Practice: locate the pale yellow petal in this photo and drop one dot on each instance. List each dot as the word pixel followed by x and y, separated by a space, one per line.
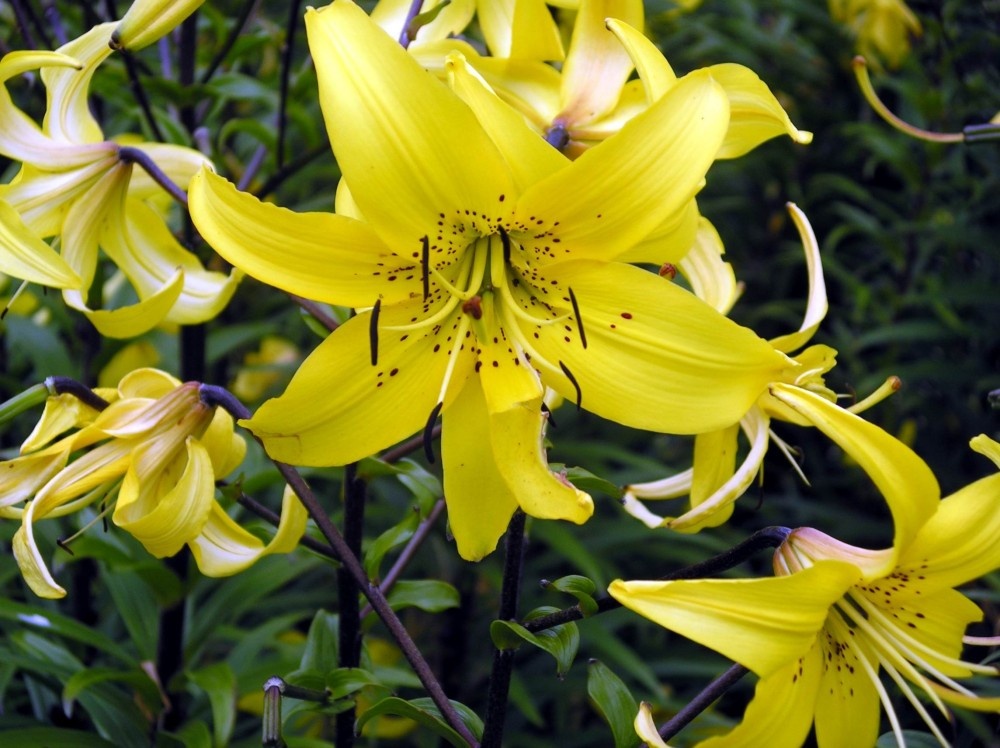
pixel 23 255
pixel 654 71
pixel 816 306
pixel 68 118
pixel 223 548
pixel 148 20
pixel 711 278
pixel 519 29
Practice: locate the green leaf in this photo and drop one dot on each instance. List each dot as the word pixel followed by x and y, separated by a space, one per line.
pixel 431 595
pixel 346 680
pixel 581 588
pixel 88 677
pixel 614 701
pixel 562 642
pixel 394 536
pixel 52 737
pixel 424 486
pixel 321 648
pixel 587 481
pixel 219 683
pixel 44 620
pixel 423 712
pixel 913 739
pixel 136 603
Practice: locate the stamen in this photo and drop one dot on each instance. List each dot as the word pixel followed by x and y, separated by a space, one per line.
pixel 788 452
pixel 429 433
pixel 505 241
pixel 13 298
pixel 889 386
pixel 425 265
pixel 548 413
pixel 373 331
pixel 576 314
pixel 576 385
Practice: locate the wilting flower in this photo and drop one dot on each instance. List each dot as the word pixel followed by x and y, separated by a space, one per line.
pixel 80 188
pixel 882 27
pixel 483 265
pixel 819 633
pixel 155 452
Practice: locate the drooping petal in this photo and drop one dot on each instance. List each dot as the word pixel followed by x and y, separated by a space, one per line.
pixel 712 510
pixel 958 543
pixel 33 568
pixel 712 279
pixel 755 114
pixel 908 485
pixel 781 711
pixel 657 358
pixel 764 624
pixel 339 408
pixel 517 438
pixel 529 158
pixel 225 448
pixel 320 256
pixel 597 65
pixel 21 477
pixel 223 548
pixel 163 523
pixel 135 319
pixel 480 502
pixel 23 255
pixel 148 20
pixel 20 138
pixel 816 306
pixel 519 29
pixel 645 727
pixel 654 71
pixel 68 117
pixel 61 413
pixel 616 193
pixel 408 146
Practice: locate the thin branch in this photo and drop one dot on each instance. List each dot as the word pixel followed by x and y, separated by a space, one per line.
pixel 214 395
pixel 419 535
pixel 249 7
pixel 255 507
pixel 316 311
pixel 290 169
pixel 294 11
pixel 769 537
pixel 349 634
pixel 503 659
pixel 702 701
pixel 409 447
pixel 131 155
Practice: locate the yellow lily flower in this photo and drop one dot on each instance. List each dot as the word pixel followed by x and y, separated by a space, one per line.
pixel 882 27
pixel 77 186
pixel 819 633
pixel 263 369
pixel 483 270
pixel 160 449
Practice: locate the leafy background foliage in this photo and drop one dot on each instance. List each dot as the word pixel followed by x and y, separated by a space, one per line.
pixel 908 234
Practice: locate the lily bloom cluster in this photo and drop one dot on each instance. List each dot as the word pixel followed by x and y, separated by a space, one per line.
pixel 490 269
pixel 835 615
pixel 151 458
pixel 77 193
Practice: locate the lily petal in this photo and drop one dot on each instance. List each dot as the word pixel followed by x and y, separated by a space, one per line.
pixel 409 148
pixel 764 624
pixel 68 118
pixel 817 306
pixel 320 256
pixel 135 319
pixel 339 408
pixel 597 65
pixel 519 29
pixel 908 485
pixel 847 702
pixel 654 71
pixel 164 523
pixel 657 358
pixel 480 502
pixel 529 158
pixel 712 279
pixel 223 548
pixel 755 114
pixel 25 256
pixel 451 20
pixel 616 193
pixel 781 711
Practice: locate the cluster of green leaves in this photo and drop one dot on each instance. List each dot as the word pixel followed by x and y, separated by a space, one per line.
pixel 905 230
